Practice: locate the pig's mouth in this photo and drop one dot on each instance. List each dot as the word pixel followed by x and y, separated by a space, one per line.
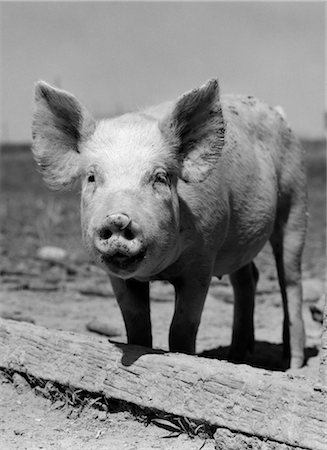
pixel 120 261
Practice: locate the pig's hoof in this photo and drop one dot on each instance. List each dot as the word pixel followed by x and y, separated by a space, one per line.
pixel 237 355
pixel 297 362
pixel 293 363
pixel 238 351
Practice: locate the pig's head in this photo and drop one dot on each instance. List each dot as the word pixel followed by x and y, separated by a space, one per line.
pixel 129 168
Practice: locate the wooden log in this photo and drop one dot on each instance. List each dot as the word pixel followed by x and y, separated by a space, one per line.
pixel 226 439
pixel 278 408
pixel 323 351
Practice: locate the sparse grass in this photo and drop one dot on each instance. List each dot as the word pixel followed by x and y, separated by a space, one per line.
pixel 49 220
pixel 31 215
pixel 70 399
pixel 315 247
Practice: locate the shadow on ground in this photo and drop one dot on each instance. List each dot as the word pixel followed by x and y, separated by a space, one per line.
pixel 132 353
pixel 265 356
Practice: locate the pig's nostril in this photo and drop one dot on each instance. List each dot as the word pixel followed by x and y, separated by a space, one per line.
pixel 105 233
pixel 120 226
pixel 128 234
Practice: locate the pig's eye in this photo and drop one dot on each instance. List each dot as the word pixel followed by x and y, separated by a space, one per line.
pixel 91 178
pixel 161 177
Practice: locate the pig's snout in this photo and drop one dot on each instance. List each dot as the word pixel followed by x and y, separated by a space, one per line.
pixel 117 225
pixel 120 241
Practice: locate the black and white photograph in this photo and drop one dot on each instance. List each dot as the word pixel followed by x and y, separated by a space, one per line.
pixel 163 225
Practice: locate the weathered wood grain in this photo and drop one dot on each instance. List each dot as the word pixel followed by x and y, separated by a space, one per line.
pixel 276 407
pixel 229 440
pixel 323 352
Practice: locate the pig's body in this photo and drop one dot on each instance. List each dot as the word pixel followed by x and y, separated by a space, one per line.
pixel 237 181
pixel 230 215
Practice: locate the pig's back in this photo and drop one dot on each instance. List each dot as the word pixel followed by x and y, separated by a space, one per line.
pixel 258 139
pixel 257 127
pixel 236 205
pixel 261 165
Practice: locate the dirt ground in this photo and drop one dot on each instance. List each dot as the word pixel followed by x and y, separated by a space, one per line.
pixel 73 294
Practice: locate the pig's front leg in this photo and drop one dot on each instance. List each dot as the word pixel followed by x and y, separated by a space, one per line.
pixel 134 302
pixel 244 282
pixel 190 296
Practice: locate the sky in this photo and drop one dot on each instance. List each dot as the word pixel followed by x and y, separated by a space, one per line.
pixel 118 56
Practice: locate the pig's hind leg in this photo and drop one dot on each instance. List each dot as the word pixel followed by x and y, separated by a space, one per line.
pixel 244 282
pixel 287 243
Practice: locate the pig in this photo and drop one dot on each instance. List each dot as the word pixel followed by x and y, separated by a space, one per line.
pixel 184 191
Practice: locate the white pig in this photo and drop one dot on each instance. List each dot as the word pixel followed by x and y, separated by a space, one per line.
pixel 190 189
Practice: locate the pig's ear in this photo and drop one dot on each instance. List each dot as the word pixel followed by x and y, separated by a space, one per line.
pixel 60 125
pixel 195 128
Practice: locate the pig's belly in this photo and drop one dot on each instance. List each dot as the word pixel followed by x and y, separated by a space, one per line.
pixel 237 252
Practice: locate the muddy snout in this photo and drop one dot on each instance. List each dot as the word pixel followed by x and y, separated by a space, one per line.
pixel 120 241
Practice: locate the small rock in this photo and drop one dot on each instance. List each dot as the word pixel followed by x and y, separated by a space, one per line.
pixel 227 298
pixel 277 300
pixel 102 415
pixel 54 275
pixel 313 288
pixel 317 315
pixel 93 289
pixel 58 404
pixel 51 254
pixel 39 391
pixel 222 293
pixel 75 413
pixel 20 383
pixel 317 310
pixel 101 327
pixel 19 316
pixel 3 378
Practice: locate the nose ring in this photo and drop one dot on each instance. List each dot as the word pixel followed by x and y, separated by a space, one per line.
pixel 126 224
